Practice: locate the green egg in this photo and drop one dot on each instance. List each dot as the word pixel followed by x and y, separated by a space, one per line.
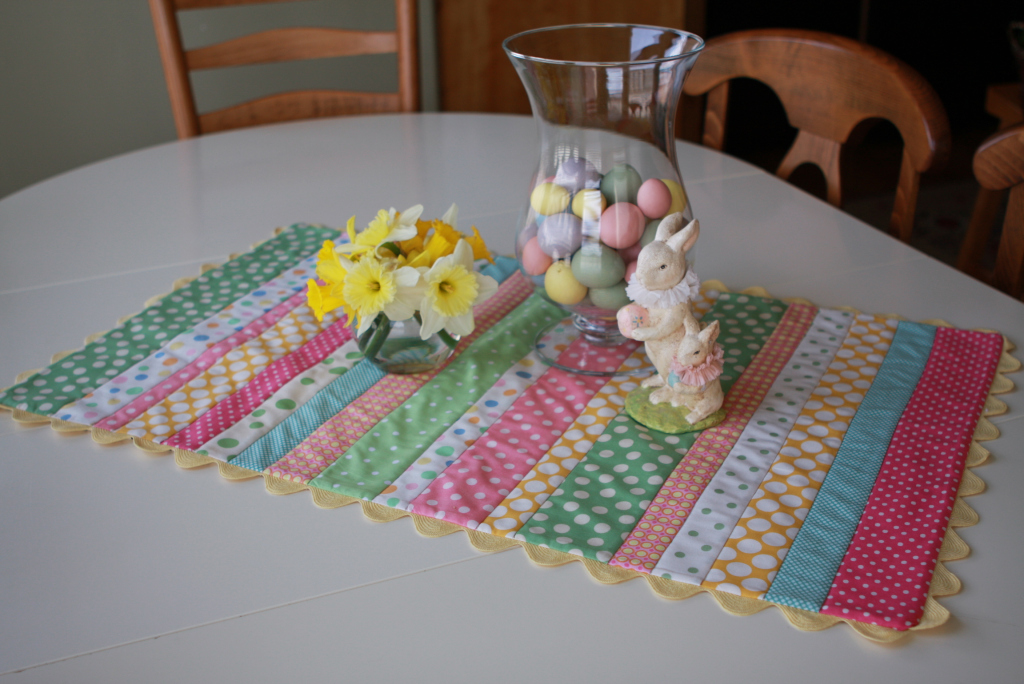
pixel 613 297
pixel 621 184
pixel 596 265
pixel 650 232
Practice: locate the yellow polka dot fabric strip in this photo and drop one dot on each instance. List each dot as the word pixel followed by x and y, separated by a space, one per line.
pixel 785 496
pixel 232 372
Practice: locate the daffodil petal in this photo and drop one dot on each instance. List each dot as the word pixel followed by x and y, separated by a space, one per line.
pixel 460 325
pixel 432 322
pixel 486 287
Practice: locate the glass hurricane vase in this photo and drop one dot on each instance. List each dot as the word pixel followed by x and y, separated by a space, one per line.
pixel 605 98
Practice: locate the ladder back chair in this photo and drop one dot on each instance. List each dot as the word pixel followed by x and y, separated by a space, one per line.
pixel 998 165
pixel 828 85
pixel 282 45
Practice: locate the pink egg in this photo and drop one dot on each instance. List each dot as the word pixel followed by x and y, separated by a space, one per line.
pixel 654 198
pixel 631 253
pixel 631 317
pixel 630 270
pixel 622 224
pixel 535 261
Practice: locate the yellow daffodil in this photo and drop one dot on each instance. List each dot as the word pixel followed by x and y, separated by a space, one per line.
pixel 371 287
pixel 321 299
pixel 451 289
pixel 387 226
pixel 330 266
pixel 480 250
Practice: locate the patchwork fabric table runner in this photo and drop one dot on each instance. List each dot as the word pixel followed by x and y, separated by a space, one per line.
pixel 830 491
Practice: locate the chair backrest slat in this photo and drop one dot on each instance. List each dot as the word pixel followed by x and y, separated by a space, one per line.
pixel 289 44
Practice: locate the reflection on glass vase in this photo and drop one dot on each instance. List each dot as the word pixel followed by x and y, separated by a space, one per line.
pixel 396 346
pixel 604 97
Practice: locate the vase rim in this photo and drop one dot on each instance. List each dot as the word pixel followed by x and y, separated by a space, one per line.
pixel 602 63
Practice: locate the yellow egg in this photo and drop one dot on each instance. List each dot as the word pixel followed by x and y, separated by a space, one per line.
pixel 590 201
pixel 679 200
pixel 562 286
pixel 548 199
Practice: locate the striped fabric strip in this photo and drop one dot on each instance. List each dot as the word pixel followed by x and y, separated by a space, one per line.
pixel 713 445
pixel 886 572
pixel 229 374
pixel 359 470
pixel 228 412
pixel 603 497
pixel 807 572
pixel 228 444
pixel 185 348
pixel 471 425
pixel 204 361
pixel 468 490
pixel 292 431
pixel 761 538
pixel 706 531
pixel 76 375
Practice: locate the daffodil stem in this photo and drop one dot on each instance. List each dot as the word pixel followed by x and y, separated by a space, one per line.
pixel 381 328
pixel 442 333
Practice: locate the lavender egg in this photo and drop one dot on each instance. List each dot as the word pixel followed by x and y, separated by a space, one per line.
pixel 576 174
pixel 560 235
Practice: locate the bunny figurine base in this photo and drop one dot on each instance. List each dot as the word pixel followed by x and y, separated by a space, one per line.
pixel 665 417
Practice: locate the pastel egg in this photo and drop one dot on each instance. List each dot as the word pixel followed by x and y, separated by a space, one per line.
pixel 549 198
pixel 621 184
pixel 535 261
pixel 562 286
pixel 612 297
pixel 630 270
pixel 622 224
pixel 631 317
pixel 597 266
pixel 654 198
pixel 526 234
pixel 650 232
pixel 679 200
pixel 560 235
pixel 589 204
pixel 631 253
pixel 574 174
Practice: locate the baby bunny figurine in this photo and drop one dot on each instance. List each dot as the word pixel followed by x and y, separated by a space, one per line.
pixel 662 319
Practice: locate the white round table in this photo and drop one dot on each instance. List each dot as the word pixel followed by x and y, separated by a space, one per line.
pixel 119 566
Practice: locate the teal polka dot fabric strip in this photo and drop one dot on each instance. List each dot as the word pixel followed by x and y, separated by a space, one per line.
pixel 311 415
pixel 808 569
pixel 377 459
pixel 77 375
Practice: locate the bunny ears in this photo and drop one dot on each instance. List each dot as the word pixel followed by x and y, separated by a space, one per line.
pixel 679 240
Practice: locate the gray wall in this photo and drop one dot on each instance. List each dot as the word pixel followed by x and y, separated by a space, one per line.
pixel 80 80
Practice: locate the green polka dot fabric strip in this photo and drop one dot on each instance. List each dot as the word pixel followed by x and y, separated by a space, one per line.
pixel 377 459
pixel 707 529
pixel 73 377
pixel 605 495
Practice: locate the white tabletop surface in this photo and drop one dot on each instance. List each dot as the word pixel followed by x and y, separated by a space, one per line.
pixel 117 566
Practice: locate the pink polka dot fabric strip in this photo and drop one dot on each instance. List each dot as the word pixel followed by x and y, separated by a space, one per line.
pixel 469 489
pixel 714 444
pixel 205 360
pixel 275 376
pixel 886 572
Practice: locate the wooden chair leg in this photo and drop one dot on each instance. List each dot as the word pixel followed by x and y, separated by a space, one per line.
pixel 983 217
pixel 1009 273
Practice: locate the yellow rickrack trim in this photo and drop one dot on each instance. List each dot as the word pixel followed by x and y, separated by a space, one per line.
pixel 944 582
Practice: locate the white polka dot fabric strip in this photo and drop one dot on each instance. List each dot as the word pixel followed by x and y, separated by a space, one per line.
pixel 708 528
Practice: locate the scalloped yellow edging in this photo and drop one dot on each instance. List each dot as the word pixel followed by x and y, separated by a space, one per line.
pixel 944 582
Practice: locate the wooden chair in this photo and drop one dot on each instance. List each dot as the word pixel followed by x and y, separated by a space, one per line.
pixel 282 45
pixel 828 85
pixel 998 165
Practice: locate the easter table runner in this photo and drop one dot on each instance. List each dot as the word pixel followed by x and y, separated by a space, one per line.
pixel 830 491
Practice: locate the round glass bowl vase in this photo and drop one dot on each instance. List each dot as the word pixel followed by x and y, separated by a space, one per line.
pixel 605 98
pixel 396 347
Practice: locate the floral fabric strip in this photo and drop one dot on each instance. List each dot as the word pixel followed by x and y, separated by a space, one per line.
pixel 470 426
pixel 467 491
pixel 231 373
pixel 297 427
pixel 359 469
pixel 674 503
pixel 707 529
pixel 228 412
pixel 760 540
pixel 601 500
pixel 885 574
pixel 809 567
pixel 208 358
pixel 185 348
pixel 227 445
pixel 76 375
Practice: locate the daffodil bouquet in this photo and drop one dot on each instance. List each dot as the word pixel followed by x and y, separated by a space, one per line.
pixel 401 267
